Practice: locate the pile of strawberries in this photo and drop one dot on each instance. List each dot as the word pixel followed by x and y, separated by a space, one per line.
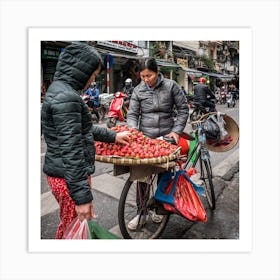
pixel 140 146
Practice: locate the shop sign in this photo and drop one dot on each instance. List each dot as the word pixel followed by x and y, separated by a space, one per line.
pixel 50 53
pixel 119 45
pixel 182 62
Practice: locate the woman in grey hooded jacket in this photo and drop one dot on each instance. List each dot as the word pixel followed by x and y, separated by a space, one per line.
pixel 69 134
pixel 152 104
pixel 151 110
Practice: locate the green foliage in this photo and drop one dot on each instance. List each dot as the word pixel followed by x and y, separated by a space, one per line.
pixel 208 62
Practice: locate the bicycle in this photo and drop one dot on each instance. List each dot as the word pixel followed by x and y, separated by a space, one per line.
pixel 136 199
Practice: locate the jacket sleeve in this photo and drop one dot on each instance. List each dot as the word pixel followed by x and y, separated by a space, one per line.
pixel 103 134
pixel 133 113
pixel 67 121
pixel 182 109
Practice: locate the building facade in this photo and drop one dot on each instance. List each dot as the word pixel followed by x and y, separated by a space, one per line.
pixel 182 61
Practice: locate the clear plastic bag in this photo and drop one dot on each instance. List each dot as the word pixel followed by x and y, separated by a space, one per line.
pixel 77 230
pixel 221 124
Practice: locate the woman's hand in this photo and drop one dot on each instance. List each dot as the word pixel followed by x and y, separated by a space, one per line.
pixel 123 137
pixel 173 135
pixel 85 211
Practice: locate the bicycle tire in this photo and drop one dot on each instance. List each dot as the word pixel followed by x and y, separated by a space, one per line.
pixel 127 210
pixel 102 113
pixel 206 177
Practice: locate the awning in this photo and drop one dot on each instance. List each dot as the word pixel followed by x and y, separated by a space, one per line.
pixel 121 55
pixel 167 64
pixel 193 72
pixel 219 76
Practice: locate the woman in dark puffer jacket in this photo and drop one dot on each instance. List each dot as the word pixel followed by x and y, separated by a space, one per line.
pixel 69 134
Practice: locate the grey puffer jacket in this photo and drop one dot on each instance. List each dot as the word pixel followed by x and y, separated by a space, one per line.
pixel 67 125
pixel 151 111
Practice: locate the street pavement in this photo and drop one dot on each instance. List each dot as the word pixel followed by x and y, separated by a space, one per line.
pixel 222 223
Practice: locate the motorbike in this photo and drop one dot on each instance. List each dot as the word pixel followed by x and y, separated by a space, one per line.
pixel 222 97
pixel 230 100
pixel 102 109
pixel 117 110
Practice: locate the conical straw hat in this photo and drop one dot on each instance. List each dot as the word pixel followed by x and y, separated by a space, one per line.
pixel 233 135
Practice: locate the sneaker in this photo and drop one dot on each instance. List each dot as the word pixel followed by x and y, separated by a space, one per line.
pixel 132 225
pixel 196 179
pixel 155 217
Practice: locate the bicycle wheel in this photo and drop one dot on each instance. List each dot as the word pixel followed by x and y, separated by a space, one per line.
pixel 206 177
pixel 102 112
pixel 135 200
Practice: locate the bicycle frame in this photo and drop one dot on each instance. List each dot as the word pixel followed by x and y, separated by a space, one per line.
pixel 143 198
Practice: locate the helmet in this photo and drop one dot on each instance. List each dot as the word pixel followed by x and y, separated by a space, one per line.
pixel 128 82
pixel 202 80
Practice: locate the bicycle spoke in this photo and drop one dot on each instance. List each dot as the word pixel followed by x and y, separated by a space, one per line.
pixel 134 200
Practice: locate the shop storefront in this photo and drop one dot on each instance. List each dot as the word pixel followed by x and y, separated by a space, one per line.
pixel 50 51
pixel 124 61
pixel 124 64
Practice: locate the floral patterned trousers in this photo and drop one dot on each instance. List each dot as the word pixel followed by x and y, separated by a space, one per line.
pixel 66 204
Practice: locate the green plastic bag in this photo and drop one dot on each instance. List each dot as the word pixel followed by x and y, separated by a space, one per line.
pixel 98 232
pixel 192 146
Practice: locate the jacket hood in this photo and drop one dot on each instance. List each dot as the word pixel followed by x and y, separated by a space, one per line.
pixel 76 64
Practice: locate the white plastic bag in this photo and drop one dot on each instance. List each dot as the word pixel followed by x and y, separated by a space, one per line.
pixel 221 124
pixel 77 230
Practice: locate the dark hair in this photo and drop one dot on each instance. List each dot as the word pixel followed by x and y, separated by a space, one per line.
pixel 148 63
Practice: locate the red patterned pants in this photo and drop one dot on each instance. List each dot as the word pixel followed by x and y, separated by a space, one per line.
pixel 66 204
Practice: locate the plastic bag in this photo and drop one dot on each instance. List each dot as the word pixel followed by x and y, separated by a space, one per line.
pixel 221 123
pixel 187 202
pixel 211 128
pixel 98 232
pixel 179 195
pixel 192 147
pixel 77 230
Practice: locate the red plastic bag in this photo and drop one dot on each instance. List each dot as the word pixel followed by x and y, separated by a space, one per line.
pixel 186 201
pixel 77 230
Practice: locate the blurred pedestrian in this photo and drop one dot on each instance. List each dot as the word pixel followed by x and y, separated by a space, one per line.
pixel 203 95
pixel 94 102
pixel 128 89
pixel 183 90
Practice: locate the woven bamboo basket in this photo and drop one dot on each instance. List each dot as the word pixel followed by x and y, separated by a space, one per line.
pixel 133 161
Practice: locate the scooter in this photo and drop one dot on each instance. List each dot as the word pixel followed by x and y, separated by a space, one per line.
pixel 223 97
pixel 117 110
pixel 230 100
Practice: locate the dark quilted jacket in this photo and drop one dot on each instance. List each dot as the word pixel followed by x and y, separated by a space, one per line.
pixel 151 111
pixel 201 93
pixel 66 123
